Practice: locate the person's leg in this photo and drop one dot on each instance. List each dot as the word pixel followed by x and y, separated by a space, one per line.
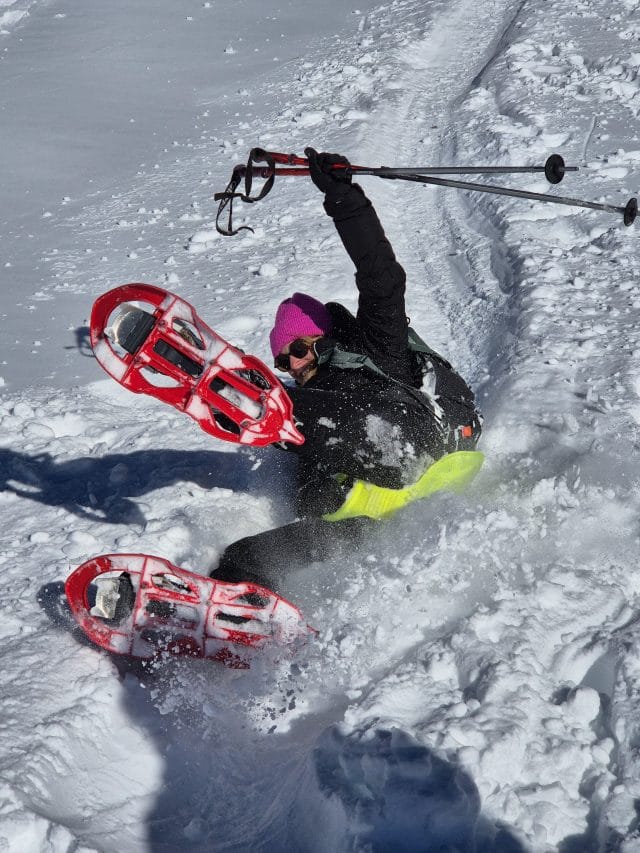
pixel 268 557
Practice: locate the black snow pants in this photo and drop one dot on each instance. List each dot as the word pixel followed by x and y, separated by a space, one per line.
pixel 267 558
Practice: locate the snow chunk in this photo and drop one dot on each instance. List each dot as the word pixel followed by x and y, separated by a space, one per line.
pixel 37 430
pixel 312 118
pixel 201 241
pixel 268 271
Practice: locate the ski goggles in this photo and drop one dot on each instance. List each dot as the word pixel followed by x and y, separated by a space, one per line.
pixel 298 349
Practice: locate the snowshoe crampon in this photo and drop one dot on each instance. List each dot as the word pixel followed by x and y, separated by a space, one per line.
pixel 143 606
pixel 153 342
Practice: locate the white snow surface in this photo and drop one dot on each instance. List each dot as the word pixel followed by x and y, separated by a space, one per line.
pixel 475 682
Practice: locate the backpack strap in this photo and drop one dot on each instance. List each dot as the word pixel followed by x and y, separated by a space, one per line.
pixel 417 345
pixel 334 355
pixel 345 360
pixel 454 406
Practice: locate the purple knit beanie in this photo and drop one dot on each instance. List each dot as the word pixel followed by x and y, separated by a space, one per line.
pixel 297 317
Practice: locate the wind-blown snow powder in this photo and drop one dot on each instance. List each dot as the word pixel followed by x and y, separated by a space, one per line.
pixel 476 679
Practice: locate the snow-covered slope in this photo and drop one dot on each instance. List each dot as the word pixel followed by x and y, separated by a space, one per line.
pixel 475 682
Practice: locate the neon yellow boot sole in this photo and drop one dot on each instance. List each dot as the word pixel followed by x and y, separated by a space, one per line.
pixel 450 473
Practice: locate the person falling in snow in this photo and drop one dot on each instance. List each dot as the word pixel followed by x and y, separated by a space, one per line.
pixel 358 398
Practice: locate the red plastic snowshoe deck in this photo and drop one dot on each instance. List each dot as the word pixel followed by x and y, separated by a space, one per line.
pixel 183 362
pixel 181 613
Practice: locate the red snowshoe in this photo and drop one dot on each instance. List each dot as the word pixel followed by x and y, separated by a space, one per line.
pixel 153 342
pixel 142 606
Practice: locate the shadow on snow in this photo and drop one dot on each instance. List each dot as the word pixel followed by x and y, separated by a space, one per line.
pixel 101 488
pixel 315 790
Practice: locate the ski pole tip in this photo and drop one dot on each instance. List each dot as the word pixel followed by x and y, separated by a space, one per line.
pixel 630 211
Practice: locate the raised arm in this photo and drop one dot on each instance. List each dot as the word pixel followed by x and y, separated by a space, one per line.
pixel 379 277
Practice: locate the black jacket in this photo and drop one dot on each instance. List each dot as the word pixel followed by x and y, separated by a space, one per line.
pixel 357 423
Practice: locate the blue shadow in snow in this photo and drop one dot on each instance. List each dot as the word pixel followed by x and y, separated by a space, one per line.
pixel 384 792
pixel 101 488
pixel 82 335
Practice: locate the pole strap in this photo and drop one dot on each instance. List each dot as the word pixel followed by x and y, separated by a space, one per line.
pixel 226 198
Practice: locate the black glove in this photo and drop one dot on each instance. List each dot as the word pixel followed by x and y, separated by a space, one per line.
pixel 322 173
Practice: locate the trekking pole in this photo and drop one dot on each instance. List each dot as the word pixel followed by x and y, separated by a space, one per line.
pixel 554 170
pixel 629 211
pixel 292 165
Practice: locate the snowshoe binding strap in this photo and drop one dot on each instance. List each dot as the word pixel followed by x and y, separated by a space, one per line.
pixel 114 598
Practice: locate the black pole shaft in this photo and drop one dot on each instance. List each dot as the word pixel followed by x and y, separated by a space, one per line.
pixel 488 188
pixel 390 172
